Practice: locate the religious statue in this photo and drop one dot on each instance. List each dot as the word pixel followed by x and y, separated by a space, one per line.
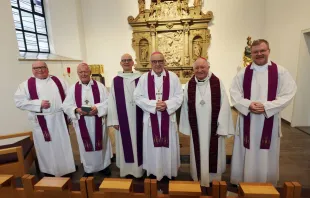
pixel 196 50
pixel 141 6
pixel 144 53
pixel 247 53
pixel 155 9
pixel 197 3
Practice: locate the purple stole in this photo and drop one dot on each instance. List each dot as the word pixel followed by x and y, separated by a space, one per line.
pixel 32 88
pixel 82 124
pixel 124 124
pixel 216 106
pixel 163 139
pixel 272 92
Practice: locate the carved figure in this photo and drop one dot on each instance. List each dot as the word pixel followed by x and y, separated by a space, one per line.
pixel 141 6
pixel 197 50
pixel 144 53
pixel 247 53
pixel 197 3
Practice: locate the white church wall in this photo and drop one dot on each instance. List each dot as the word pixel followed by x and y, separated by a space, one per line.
pixel 108 34
pixel 63 16
pixel 97 32
pixel 284 22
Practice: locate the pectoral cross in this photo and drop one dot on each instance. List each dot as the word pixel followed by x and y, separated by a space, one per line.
pixel 158 94
pixel 86 102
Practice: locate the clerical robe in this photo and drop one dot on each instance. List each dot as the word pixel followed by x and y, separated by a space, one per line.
pixel 93 160
pixel 127 145
pixel 55 157
pixel 160 160
pixel 223 128
pixel 257 163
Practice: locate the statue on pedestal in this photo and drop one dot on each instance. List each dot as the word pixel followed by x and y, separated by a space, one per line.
pixel 247 53
pixel 141 6
pixel 197 3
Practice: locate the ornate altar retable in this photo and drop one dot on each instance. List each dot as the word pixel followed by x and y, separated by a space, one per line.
pixel 172 27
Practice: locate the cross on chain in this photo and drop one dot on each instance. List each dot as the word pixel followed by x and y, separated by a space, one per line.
pixel 158 94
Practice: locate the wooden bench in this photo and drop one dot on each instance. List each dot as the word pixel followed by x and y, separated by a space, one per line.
pixel 8 188
pixel 17 153
pixel 53 187
pixel 114 187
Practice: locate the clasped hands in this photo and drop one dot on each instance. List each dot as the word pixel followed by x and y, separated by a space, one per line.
pixel 161 105
pixel 93 112
pixel 257 108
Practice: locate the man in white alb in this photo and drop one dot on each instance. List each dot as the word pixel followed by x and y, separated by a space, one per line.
pixel 159 94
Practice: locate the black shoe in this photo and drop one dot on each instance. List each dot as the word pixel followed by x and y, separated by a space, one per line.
pixel 68 175
pixel 88 174
pixel 152 176
pixel 129 177
pixel 48 175
pixel 106 171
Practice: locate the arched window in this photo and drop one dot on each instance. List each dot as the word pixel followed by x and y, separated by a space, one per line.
pixel 30 26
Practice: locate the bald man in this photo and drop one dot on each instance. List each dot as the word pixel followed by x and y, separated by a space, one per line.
pixel 42 96
pixel 126 118
pixel 206 117
pixel 87 105
pixel 159 94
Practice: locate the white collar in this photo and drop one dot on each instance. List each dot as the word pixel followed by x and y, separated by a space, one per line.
pixel 204 80
pixel 260 67
pixel 131 76
pixel 91 82
pixel 47 78
pixel 163 73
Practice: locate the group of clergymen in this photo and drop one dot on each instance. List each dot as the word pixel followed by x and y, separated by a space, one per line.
pixel 142 110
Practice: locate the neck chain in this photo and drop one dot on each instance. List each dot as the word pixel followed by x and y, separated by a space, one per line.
pixel 158 93
pixel 202 102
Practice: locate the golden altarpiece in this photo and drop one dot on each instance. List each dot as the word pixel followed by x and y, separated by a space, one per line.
pixel 172 27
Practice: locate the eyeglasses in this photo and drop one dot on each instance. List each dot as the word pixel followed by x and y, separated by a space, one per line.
pixel 39 68
pixel 126 60
pixel 157 61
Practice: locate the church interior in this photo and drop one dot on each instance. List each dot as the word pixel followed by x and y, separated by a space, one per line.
pixel 100 32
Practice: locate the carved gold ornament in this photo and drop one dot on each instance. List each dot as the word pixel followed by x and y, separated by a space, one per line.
pixel 174 28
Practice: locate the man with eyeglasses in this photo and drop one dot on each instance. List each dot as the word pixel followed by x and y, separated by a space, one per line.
pixel 126 118
pixel 42 95
pixel 259 92
pixel 206 117
pixel 159 94
pixel 87 105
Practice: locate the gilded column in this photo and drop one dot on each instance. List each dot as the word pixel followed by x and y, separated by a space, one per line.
pixel 186 44
pixel 153 36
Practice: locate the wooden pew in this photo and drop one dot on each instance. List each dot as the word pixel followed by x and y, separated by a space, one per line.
pixel 23 163
pixel 267 190
pixel 55 187
pixel 291 190
pixel 116 188
pixel 8 188
pixel 60 187
pixel 189 189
